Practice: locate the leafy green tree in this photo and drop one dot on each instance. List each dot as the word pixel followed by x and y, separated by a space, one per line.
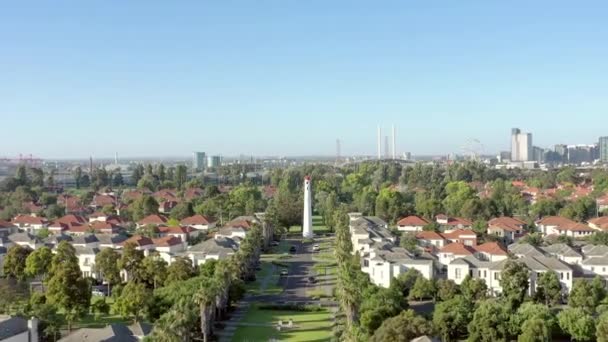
pixel 179 270
pixel 78 176
pixel 182 210
pixel 106 263
pixel 134 301
pixel 533 239
pixel 391 205
pixel 514 283
pixel 100 308
pixel 131 262
pixel 405 281
pixel 38 262
pixel 458 193
pixel 601 329
pixel 176 324
pixel 577 323
pixel 535 330
pixel 423 288
pixel 530 311
pixel 451 318
pixel 403 328
pixel 548 289
pixel 379 306
pixel 447 289
pixel 431 227
pixel 598 289
pixel 490 322
pixel 181 176
pixel 155 270
pixel 473 289
pixel 15 262
pixel 582 296
pixel 409 242
pixel 66 288
pixel 580 210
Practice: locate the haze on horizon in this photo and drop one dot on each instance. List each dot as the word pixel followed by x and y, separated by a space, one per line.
pixel 291 77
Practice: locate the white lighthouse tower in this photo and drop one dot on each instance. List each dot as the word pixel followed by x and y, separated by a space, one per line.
pixel 307 224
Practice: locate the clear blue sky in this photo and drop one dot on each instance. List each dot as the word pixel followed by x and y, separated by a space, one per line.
pixel 288 77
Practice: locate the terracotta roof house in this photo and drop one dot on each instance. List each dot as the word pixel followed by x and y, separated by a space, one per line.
pixel 411 224
pixel 193 193
pixel 509 229
pixel 599 223
pixel 166 195
pixel 100 201
pixel 557 225
pixel 29 221
pixel 153 219
pixel 199 222
pixel 184 233
pixel 141 242
pixel 453 222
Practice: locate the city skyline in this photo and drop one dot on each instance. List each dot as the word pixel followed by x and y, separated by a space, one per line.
pixel 242 78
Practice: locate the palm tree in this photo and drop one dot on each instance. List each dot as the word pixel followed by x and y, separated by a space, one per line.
pixel 223 279
pixel 176 324
pixel 205 298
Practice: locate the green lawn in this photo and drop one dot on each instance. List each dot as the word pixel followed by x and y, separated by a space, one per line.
pixel 308 326
pixel 268 276
pixel 317 226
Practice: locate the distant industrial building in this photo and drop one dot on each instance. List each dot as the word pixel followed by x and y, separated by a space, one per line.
pixel 603 147
pixel 538 154
pixel 199 161
pixel 214 161
pixel 521 146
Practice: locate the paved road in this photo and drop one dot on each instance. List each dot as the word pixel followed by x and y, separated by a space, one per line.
pixel 295 284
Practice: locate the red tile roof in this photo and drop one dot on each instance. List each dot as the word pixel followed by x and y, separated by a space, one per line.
pixel 175 230
pixel 413 221
pixel 429 235
pixel 167 241
pixel 507 223
pixel 457 249
pixel 492 248
pixel 6 224
pixel 71 219
pixel 197 220
pixel 153 219
pixel 557 221
pixel 103 200
pixel 28 219
pixel 138 240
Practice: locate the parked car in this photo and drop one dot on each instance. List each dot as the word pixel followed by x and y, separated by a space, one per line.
pixel 274 243
pixel 284 272
pixel 98 293
pixel 311 280
pixel 293 249
pixel 316 248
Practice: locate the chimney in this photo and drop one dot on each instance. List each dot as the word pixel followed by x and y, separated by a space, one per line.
pixel 32 326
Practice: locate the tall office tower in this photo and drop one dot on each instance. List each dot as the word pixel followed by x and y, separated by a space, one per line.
pixel 379 142
pixel 198 161
pixel 603 149
pixel 521 145
pixel 307 224
pixel 214 161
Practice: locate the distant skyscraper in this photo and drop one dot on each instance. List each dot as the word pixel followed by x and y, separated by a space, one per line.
pixel 604 149
pixel 198 161
pixel 214 161
pixel 307 223
pixel 521 145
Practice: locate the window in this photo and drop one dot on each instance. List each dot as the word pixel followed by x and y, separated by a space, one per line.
pixel 484 274
pixel 561 275
pixel 567 276
pixel 592 269
pixel 496 276
pixel 479 273
pixel 603 269
pixel 457 273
